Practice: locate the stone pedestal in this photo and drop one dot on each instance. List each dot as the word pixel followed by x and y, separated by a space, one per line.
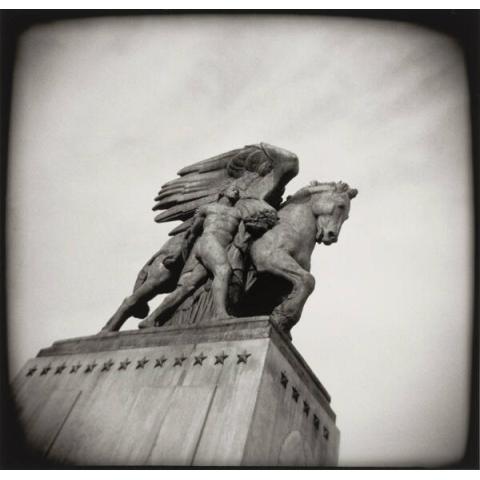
pixel 234 393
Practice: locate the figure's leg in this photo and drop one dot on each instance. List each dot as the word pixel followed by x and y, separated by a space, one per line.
pixel 214 257
pixel 280 263
pixel 188 284
pixel 130 305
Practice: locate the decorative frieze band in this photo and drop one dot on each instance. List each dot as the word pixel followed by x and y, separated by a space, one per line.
pixel 220 359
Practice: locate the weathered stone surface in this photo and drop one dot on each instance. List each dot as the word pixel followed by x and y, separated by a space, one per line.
pixel 224 203
pixel 227 393
pixel 236 234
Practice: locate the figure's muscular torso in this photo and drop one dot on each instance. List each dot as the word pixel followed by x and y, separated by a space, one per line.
pixel 221 222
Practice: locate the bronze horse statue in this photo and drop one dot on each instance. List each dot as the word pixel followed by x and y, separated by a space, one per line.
pixel 314 214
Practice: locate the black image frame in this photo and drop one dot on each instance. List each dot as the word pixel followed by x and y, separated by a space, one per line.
pixel 462 25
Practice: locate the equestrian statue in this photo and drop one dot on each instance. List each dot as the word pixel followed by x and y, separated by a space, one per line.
pixel 240 250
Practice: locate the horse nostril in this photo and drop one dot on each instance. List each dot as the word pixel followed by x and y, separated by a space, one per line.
pixel 331 235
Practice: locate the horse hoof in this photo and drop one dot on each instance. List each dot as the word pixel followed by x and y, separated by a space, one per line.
pixel 282 325
pixel 146 323
pixel 109 327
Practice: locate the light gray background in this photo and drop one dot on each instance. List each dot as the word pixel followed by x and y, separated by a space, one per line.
pixel 105 111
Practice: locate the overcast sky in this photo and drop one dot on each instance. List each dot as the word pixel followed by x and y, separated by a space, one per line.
pixel 105 111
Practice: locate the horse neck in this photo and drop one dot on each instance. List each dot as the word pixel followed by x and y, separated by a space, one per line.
pixel 299 216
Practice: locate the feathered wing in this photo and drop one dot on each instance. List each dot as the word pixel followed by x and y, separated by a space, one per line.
pixel 197 185
pixel 259 171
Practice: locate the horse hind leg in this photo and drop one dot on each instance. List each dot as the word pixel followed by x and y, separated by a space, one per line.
pixel 136 304
pixel 131 306
pixel 118 318
pixel 156 279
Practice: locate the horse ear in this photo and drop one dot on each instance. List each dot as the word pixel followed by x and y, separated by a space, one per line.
pixel 352 193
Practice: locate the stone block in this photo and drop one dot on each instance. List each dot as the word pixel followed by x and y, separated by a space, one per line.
pixel 231 393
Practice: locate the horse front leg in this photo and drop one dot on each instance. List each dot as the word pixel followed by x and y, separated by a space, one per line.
pixel 288 312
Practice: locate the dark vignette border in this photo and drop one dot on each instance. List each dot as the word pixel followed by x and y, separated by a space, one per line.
pixel 462 25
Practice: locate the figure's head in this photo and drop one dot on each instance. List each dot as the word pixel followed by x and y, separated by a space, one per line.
pixel 330 206
pixel 232 193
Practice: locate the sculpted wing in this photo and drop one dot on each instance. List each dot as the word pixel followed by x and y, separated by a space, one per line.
pixel 258 171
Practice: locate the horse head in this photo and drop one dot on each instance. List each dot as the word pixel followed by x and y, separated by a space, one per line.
pixel 330 204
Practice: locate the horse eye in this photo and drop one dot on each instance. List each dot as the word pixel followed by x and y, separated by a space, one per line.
pixel 341 207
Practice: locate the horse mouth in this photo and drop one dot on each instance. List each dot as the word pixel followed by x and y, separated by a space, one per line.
pixel 326 239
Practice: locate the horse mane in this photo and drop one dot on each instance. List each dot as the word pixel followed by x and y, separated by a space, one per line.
pixel 316 187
